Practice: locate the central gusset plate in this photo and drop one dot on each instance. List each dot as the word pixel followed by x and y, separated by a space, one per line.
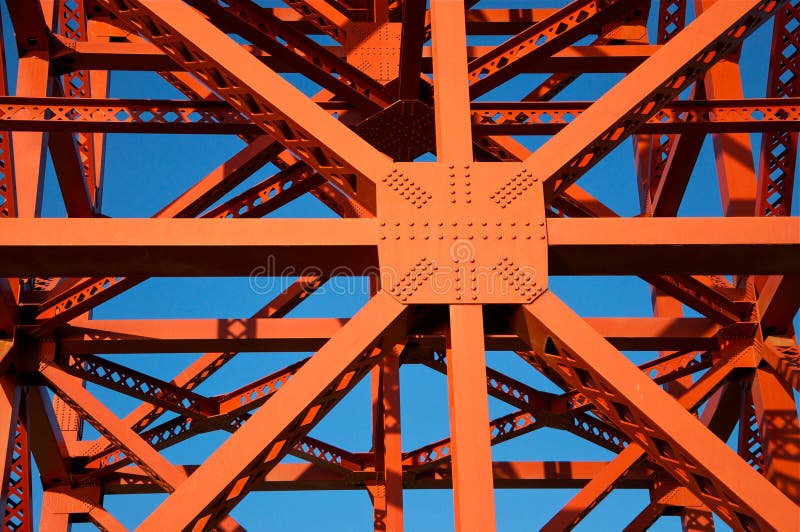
pixel 462 233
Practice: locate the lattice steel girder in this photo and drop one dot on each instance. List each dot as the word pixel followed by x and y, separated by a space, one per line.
pixel 673 437
pixel 207 364
pixel 275 105
pixel 710 116
pixel 608 246
pixel 562 28
pixel 308 334
pixel 621 110
pixel 102 419
pixel 230 472
pixel 290 477
pixel 141 55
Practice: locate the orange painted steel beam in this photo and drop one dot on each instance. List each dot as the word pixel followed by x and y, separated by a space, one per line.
pixel 260 443
pixel 473 490
pixel 706 465
pixel 698 116
pixel 665 240
pixel 612 246
pixel 292 477
pixel 277 106
pixel 738 363
pixel 137 247
pixel 620 111
pixel 308 334
pixel 132 336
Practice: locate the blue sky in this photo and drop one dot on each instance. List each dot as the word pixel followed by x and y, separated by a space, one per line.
pixel 144 172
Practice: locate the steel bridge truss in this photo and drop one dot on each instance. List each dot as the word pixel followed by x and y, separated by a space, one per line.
pixel 460 250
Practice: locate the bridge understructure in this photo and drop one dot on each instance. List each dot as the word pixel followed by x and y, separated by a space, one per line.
pixel 457 218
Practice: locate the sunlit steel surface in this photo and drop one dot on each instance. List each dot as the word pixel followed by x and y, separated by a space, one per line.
pixel 458 246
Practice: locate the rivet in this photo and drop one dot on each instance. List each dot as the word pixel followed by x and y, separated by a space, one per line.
pixel 484 224
pixel 541 224
pixel 451 166
pixel 474 297
pixel 543 237
pixel 383 224
pixel 466 166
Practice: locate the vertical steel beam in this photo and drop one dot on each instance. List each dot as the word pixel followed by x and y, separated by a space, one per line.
pixel 412 37
pixel 451 92
pixel 18 489
pixel 473 490
pixel 734 153
pixel 9 414
pixel 778 156
pixel 29 147
pixel 388 512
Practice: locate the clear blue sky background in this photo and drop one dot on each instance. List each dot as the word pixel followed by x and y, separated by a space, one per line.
pixel 144 172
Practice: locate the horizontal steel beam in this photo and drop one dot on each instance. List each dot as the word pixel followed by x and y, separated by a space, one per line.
pixel 143 56
pixel 185 247
pixel 309 334
pixel 294 477
pixel 624 246
pixel 709 116
pixel 287 247
pixel 21 113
